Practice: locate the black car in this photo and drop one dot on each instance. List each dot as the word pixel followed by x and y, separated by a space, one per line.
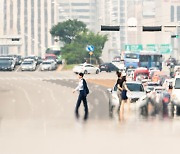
pixel 108 67
pixel 6 65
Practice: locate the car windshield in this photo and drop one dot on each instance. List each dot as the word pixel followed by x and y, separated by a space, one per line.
pixel 132 56
pixel 27 63
pixel 153 84
pixel 177 83
pixel 50 57
pixel 5 61
pixel 135 87
pixel 45 63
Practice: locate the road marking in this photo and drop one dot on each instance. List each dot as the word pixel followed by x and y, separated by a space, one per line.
pixel 17 70
pixel 38 68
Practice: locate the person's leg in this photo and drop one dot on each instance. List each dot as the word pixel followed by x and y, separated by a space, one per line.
pixel 78 105
pixel 120 99
pixel 121 113
pixel 85 108
pixel 128 103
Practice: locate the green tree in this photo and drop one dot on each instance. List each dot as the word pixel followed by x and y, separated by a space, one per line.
pixel 68 31
pixel 76 51
pixel 90 38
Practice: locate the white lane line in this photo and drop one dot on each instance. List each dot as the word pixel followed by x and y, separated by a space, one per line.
pixel 18 69
pixel 38 69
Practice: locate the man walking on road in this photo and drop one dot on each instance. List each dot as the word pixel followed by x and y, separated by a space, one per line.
pixel 83 91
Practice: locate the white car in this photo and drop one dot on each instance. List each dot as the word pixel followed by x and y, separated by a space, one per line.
pixel 86 69
pixel 176 94
pixel 48 65
pixel 176 90
pixel 28 65
pixel 137 91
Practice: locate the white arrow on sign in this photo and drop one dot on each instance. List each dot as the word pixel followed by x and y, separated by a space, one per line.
pixel 90 48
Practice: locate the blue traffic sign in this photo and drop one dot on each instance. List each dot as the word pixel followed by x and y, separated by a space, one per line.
pixel 90 48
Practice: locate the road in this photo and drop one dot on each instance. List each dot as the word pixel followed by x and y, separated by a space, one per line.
pixel 37 116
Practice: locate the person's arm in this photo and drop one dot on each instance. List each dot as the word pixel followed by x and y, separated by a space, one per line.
pixel 79 87
pixel 125 86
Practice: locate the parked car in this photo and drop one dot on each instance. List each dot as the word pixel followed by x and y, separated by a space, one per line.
pixel 28 65
pixel 19 59
pixel 86 69
pixel 137 91
pixel 176 94
pixel 48 65
pixel 6 64
pixel 32 57
pixel 108 67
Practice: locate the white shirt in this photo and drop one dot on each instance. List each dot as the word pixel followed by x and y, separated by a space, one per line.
pixel 80 85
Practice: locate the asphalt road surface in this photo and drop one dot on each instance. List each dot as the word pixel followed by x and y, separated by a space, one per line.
pixel 37 117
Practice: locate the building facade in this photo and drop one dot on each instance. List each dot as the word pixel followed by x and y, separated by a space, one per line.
pixel 82 10
pixel 156 13
pixel 31 21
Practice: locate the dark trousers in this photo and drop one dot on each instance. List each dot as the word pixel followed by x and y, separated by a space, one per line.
pixel 82 97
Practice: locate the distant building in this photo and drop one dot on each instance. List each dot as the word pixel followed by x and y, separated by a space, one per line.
pixel 31 20
pixel 82 10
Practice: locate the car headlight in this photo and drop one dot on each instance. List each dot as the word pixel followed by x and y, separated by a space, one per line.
pixel 114 97
pixel 175 98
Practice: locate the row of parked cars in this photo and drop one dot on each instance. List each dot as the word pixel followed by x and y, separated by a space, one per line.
pixel 29 63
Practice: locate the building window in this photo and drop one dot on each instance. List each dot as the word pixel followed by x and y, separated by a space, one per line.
pixel 11 15
pixel 46 22
pixel 63 4
pixel 39 26
pixel 80 4
pixel 18 16
pixel 5 17
pixel 80 10
pixel 52 13
pixel 26 26
pixel 172 13
pixel 32 26
pixel 84 17
pixel 178 13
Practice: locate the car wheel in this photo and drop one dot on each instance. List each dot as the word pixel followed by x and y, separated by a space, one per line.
pixel 85 72
pixel 97 71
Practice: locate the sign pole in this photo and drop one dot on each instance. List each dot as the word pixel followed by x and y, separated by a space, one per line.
pixel 90 49
pixel 90 58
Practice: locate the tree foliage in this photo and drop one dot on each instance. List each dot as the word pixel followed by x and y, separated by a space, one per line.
pixel 76 37
pixel 97 40
pixel 68 31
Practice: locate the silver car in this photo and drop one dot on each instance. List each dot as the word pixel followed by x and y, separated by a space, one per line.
pixel 28 65
pixel 137 91
pixel 48 65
